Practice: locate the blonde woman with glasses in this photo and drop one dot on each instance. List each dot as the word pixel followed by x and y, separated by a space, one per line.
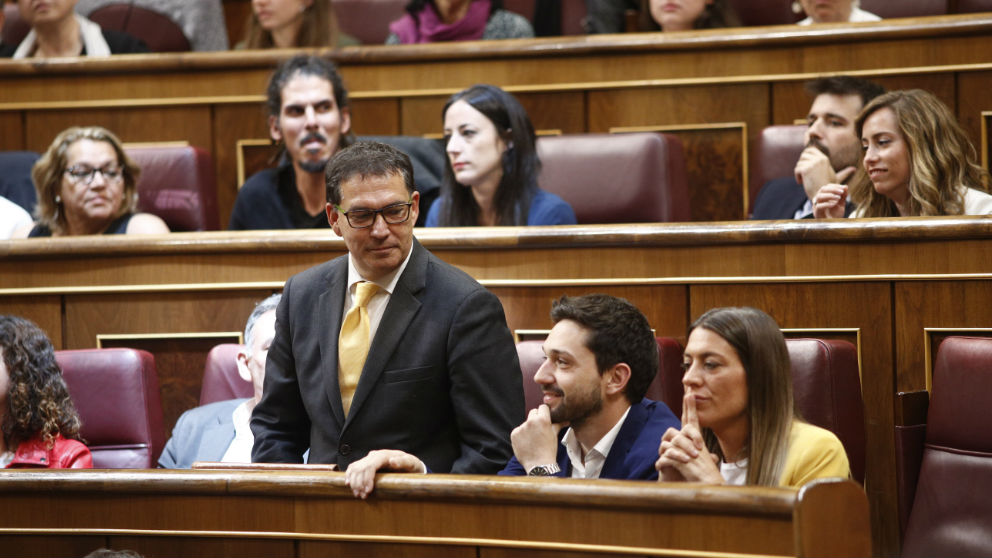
pixel 86 184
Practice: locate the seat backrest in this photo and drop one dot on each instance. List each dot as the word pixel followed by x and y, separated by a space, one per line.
pixel 15 178
pixel 157 30
pixel 886 9
pixel 826 385
pixel 368 20
pixel 221 380
pixel 14 28
pixel 117 396
pixel 177 183
pixel 973 6
pixel 951 513
pixel 617 178
pixel 775 155
pixel 765 12
pixel 531 355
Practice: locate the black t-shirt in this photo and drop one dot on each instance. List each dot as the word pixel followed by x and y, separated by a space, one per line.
pixel 269 200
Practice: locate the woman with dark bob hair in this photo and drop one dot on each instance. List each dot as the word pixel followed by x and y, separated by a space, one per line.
pixel 739 425
pixel 917 159
pixel 39 422
pixel 491 175
pixel 86 184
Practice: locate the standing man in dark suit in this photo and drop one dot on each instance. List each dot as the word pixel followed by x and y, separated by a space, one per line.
pixel 441 384
pixel 832 148
pixel 595 421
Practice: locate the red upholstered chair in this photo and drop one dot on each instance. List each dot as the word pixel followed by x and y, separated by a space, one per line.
pixel 973 6
pixel 14 28
pixel 775 155
pixel 116 393
pixel 221 380
pixel 617 178
pixel 946 475
pixel 368 20
pixel 157 30
pixel 826 386
pixel 887 9
pixel 670 359
pixel 177 183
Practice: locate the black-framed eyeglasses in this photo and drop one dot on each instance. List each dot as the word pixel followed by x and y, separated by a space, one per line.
pixel 392 214
pixel 85 174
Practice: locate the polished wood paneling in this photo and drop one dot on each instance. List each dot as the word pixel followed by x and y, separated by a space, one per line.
pixel 45 311
pixel 12 131
pixel 375 117
pixel 935 305
pixel 422 115
pixel 233 122
pixel 154 511
pixel 46 546
pixel 715 171
pixel 206 547
pixel 320 549
pixel 972 100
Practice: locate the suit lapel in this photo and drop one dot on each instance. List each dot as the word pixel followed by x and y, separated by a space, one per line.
pixel 217 436
pixel 330 307
pixel 403 305
pixel 615 466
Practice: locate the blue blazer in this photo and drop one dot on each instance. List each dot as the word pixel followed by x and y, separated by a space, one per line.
pixel 201 434
pixel 634 451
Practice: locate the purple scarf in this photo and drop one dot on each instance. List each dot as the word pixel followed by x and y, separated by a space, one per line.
pixel 428 27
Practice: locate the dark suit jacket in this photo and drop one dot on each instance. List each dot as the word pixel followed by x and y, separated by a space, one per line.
pixel 442 380
pixel 634 450
pixel 781 198
pixel 201 434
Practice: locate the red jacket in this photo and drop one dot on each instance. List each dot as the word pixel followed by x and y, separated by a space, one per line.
pixel 64 454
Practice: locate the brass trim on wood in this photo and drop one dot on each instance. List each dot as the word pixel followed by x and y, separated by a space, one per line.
pixel 101 337
pixel 240 155
pixel 984 119
pixel 928 355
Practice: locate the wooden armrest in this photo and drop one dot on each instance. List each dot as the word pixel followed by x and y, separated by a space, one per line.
pixel 264 466
pixel 911 407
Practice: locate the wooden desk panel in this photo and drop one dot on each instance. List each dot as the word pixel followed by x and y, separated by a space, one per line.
pixel 156 513
pixel 884 280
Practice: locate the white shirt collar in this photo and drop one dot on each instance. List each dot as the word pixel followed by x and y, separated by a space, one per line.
pixel 595 458
pixel 386 283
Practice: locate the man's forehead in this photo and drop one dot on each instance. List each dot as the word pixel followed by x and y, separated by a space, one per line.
pixel 567 336
pixel 306 87
pixel 373 188
pixel 847 106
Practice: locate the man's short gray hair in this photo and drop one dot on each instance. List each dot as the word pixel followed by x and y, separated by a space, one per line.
pixel 266 305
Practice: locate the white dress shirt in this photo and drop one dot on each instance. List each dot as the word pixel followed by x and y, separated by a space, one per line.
pixel 595 458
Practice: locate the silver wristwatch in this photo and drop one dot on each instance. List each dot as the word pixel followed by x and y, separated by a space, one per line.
pixel 544 470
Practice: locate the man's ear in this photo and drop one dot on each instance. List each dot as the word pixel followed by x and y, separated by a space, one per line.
pixel 333 218
pixel 243 371
pixel 274 132
pixel 616 378
pixel 345 120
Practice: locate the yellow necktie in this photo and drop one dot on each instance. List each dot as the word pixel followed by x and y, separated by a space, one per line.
pixel 353 342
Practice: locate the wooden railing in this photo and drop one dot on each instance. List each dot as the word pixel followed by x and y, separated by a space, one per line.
pixel 306 513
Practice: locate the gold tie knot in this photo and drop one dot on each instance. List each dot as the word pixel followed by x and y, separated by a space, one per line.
pixel 364 291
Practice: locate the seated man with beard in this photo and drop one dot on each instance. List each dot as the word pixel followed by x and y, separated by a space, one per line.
pixel 832 148
pixel 595 421
pixel 310 117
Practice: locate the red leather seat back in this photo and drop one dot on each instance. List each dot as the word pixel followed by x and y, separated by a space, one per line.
pixel 617 178
pixel 775 155
pixel 117 395
pixel 886 9
pixel 765 12
pixel 531 356
pixel 368 20
pixel 177 183
pixel 951 513
pixel 826 386
pixel 221 380
pixel 974 6
pixel 14 28
pixel 157 30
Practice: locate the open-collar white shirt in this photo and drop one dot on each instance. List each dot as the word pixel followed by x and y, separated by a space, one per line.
pixel 595 458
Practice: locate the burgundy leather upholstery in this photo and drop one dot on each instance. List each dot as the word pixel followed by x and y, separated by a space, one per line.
pixel 765 12
pixel 368 20
pixel 157 30
pixel 177 183
pixel 951 513
pixel 14 28
pixel 973 6
pixel 116 393
pixel 887 9
pixel 221 380
pixel 669 356
pixel 617 178
pixel 775 155
pixel 827 390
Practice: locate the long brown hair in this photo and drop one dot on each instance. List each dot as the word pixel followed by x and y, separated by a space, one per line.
pixel 941 158
pixel 38 402
pixel 770 409
pixel 319 28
